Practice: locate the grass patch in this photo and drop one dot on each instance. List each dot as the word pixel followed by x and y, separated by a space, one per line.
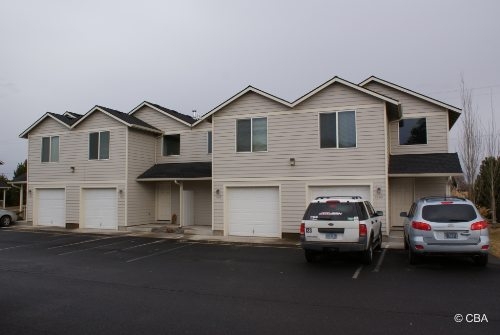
pixel 495 240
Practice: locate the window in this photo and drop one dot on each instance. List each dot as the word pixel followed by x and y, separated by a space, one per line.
pixel 172 145
pixel 251 135
pixel 99 145
pixel 412 131
pixel 209 142
pixel 50 149
pixel 338 129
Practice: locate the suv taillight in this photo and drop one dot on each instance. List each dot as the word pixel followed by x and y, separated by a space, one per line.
pixel 479 225
pixel 363 231
pixel 420 225
pixel 302 228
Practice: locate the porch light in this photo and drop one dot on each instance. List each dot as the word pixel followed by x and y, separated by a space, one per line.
pixel 292 161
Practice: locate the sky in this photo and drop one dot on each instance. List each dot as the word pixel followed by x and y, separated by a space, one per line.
pixel 66 55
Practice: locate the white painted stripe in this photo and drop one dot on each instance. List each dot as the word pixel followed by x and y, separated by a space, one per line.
pixel 77 243
pixel 380 260
pixel 135 246
pixel 159 253
pixel 358 270
pixel 30 244
pixel 82 250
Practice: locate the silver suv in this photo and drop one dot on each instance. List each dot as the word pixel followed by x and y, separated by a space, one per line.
pixel 445 225
pixel 341 224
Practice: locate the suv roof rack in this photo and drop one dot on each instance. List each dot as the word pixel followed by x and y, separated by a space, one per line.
pixel 445 197
pixel 339 196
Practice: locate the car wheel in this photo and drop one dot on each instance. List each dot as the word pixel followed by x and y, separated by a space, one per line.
pixel 413 258
pixel 379 242
pixel 406 242
pixel 5 221
pixel 311 256
pixel 367 255
pixel 481 260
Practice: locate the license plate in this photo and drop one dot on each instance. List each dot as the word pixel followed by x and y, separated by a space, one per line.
pixel 331 236
pixel 451 235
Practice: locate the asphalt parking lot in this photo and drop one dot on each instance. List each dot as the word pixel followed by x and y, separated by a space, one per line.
pixel 61 282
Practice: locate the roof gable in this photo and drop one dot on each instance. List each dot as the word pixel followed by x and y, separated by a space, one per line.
pixel 182 118
pixel 59 118
pixel 299 100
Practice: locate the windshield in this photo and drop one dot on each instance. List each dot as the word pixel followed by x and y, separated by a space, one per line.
pixel 338 211
pixel 449 213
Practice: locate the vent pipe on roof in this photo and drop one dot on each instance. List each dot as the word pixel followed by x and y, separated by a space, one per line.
pixel 195 114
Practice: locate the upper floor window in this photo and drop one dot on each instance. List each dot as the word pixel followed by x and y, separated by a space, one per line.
pixel 251 135
pixel 413 131
pixel 99 145
pixel 337 129
pixel 172 145
pixel 209 142
pixel 50 149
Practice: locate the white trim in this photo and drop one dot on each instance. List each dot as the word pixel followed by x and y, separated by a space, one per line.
pixel 407 91
pixel 125 219
pixel 386 158
pixel 298 101
pixel 43 117
pixel 145 103
pixel 416 175
pixel 259 180
pixel 55 184
pixel 172 179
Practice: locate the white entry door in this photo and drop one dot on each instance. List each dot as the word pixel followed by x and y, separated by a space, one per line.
pixel 100 208
pixel 51 207
pixel 187 218
pixel 253 211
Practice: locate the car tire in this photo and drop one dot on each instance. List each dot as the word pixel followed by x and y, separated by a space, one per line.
pixel 481 260
pixel 413 258
pixel 405 242
pixel 367 256
pixel 311 256
pixel 5 221
pixel 379 241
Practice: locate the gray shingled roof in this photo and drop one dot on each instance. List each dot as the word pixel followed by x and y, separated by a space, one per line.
pixel 3 185
pixel 69 121
pixel 130 119
pixel 180 116
pixel 178 171
pixel 425 163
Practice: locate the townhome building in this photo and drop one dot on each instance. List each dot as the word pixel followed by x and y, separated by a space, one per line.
pixel 249 167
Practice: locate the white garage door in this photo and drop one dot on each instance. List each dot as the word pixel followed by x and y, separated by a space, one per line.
pixel 51 210
pixel 343 190
pixel 253 211
pixel 100 208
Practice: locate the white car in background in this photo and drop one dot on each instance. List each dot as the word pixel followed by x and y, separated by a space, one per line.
pixel 7 217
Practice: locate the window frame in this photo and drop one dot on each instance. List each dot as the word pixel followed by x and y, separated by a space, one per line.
pixel 99 145
pixel 337 147
pixel 412 118
pixel 163 152
pixel 50 158
pixel 251 134
pixel 210 142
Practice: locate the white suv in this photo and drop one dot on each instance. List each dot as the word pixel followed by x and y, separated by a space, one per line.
pixel 341 224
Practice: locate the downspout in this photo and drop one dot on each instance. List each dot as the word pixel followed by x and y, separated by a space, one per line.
pixel 181 202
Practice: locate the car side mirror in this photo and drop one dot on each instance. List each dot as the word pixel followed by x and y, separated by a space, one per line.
pixel 403 214
pixel 379 213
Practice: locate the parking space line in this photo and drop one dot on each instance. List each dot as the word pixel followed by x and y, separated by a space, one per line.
pixel 77 243
pixel 158 253
pixel 82 250
pixel 31 244
pixel 357 272
pixel 380 260
pixel 135 246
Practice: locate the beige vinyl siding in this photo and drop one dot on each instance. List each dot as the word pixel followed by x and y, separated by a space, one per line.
pixel 296 134
pixel 72 204
pixel 73 151
pixel 141 204
pixel 193 140
pixel 436 120
pixel 202 201
pixel 47 127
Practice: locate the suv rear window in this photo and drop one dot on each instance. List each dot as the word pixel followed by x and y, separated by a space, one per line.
pixel 449 213
pixel 332 210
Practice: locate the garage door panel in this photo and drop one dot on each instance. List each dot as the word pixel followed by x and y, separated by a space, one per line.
pixel 253 211
pixel 340 190
pixel 51 207
pixel 100 208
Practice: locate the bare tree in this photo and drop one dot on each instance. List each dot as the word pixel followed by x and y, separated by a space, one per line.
pixel 492 147
pixel 471 141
